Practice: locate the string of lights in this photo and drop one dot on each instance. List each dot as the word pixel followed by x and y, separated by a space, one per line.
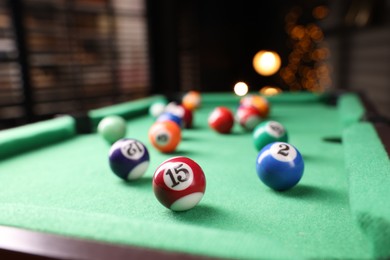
pixel 307 67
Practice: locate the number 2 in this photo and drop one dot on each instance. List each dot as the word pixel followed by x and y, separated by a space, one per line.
pixel 284 150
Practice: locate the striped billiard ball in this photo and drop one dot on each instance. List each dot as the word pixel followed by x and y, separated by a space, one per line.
pixel 269 132
pixel 165 136
pixel 280 166
pixel 179 183
pixel 129 159
pixel 259 102
pixel 248 117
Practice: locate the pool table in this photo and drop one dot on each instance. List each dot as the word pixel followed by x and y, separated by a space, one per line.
pixel 59 199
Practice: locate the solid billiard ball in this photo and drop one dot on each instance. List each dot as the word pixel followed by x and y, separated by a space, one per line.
pixel 248 117
pixel 192 100
pixel 168 116
pixel 259 102
pixel 179 183
pixel 279 166
pixel 175 109
pixel 129 159
pixel 184 113
pixel 165 136
pixel 269 132
pixel 221 120
pixel 157 108
pixel 188 117
pixel 112 128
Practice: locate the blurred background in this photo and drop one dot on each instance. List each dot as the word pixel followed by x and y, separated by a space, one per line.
pixel 69 56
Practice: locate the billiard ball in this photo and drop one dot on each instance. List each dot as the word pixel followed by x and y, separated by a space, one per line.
pixel 175 109
pixel 157 108
pixel 280 166
pixel 179 183
pixel 112 128
pixel 221 120
pixel 259 102
pixel 167 116
pixel 165 136
pixel 269 132
pixel 188 117
pixel 182 112
pixel 128 159
pixel 248 117
pixel 192 100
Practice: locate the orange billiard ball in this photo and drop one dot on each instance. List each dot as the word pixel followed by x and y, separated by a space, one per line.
pixel 165 136
pixel 259 102
pixel 192 100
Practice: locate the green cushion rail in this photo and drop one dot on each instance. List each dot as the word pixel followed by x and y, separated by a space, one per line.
pixel 126 110
pixel 351 109
pixel 32 136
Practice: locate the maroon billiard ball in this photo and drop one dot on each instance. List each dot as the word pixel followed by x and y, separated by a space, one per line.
pixel 179 183
pixel 188 117
pixel 248 117
pixel 221 120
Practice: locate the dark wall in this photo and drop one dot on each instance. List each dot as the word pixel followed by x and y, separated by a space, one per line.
pixel 231 34
pixel 358 33
pixel 209 45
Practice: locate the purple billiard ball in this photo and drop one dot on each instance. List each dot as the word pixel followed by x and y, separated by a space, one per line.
pixel 129 159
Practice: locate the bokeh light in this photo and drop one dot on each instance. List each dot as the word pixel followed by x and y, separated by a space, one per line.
pixel 266 63
pixel 270 91
pixel 320 12
pixel 307 65
pixel 241 89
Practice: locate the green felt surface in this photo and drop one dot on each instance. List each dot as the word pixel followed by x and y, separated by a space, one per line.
pixel 369 180
pixel 67 188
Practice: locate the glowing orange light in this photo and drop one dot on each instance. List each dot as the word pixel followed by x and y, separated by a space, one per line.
pixel 320 12
pixel 270 91
pixel 304 45
pixel 322 70
pixel 298 32
pixel 319 54
pixel 266 63
pixel 287 75
pixel 317 36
